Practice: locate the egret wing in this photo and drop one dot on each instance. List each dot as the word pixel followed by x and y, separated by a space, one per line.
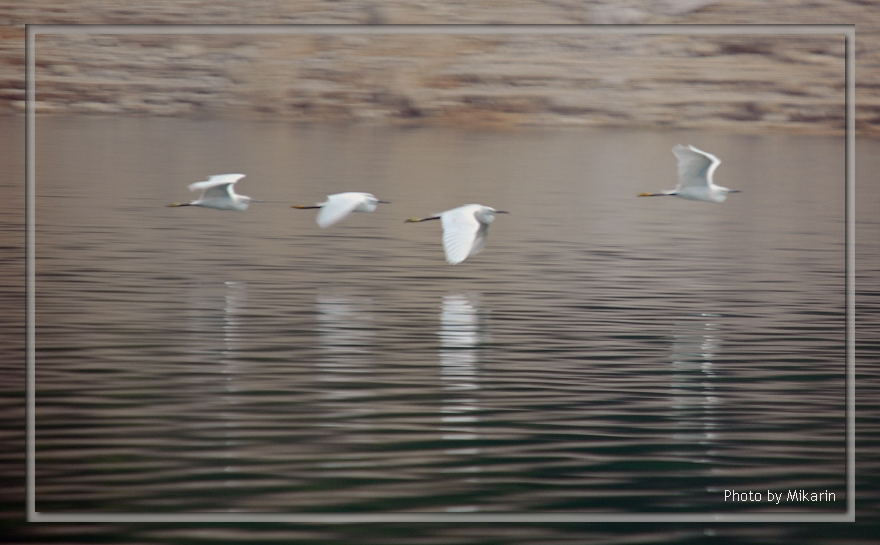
pixel 219 185
pixel 337 207
pixel 460 233
pixel 695 167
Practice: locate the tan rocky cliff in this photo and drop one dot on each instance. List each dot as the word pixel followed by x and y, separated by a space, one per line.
pixel 731 82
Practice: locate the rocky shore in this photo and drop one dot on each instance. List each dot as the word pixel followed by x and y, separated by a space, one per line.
pixel 744 82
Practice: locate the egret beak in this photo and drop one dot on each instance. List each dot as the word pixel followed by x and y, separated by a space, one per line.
pixel 502 212
pixel 647 194
pixel 416 220
pixel 303 207
pixel 179 204
pixel 384 202
pixel 734 190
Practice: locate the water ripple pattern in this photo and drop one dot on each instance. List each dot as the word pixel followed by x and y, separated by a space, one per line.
pixel 604 353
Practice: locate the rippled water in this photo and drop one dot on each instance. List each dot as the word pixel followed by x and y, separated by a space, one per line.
pixel 604 353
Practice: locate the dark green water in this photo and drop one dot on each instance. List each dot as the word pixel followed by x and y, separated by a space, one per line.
pixel 604 354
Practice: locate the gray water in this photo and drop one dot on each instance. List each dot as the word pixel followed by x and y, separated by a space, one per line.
pixel 604 353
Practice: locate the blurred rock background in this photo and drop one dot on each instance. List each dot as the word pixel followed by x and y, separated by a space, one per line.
pixel 728 82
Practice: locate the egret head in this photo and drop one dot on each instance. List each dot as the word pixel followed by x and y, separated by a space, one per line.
pixel 371 202
pixel 720 194
pixel 487 214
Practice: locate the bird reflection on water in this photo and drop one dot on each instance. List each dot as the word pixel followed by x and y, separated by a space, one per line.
pixel 696 345
pixel 461 332
pixel 345 337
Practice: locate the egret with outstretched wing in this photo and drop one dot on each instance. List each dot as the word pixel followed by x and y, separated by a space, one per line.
pixel 464 230
pixel 217 193
pixel 340 205
pixel 695 170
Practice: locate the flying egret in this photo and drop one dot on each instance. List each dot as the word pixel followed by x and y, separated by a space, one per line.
pixel 695 169
pixel 217 193
pixel 339 205
pixel 464 230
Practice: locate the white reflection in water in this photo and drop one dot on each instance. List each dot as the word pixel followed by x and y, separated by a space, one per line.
pixel 216 316
pixel 462 331
pixel 345 333
pixel 235 299
pixel 695 347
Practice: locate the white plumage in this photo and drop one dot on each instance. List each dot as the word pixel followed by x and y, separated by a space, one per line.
pixel 340 205
pixel 695 170
pixel 464 230
pixel 218 193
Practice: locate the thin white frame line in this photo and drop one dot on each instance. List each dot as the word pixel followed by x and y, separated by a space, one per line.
pixel 850 255
pixel 793 29
pixel 410 517
pixel 848 31
pixel 30 271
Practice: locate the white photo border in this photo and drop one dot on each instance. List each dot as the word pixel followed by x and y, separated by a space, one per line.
pixel 846 31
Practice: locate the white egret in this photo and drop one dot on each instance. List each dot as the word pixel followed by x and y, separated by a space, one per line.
pixel 464 230
pixel 217 193
pixel 695 169
pixel 339 205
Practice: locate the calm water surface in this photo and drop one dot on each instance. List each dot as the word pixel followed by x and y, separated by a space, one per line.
pixel 604 353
